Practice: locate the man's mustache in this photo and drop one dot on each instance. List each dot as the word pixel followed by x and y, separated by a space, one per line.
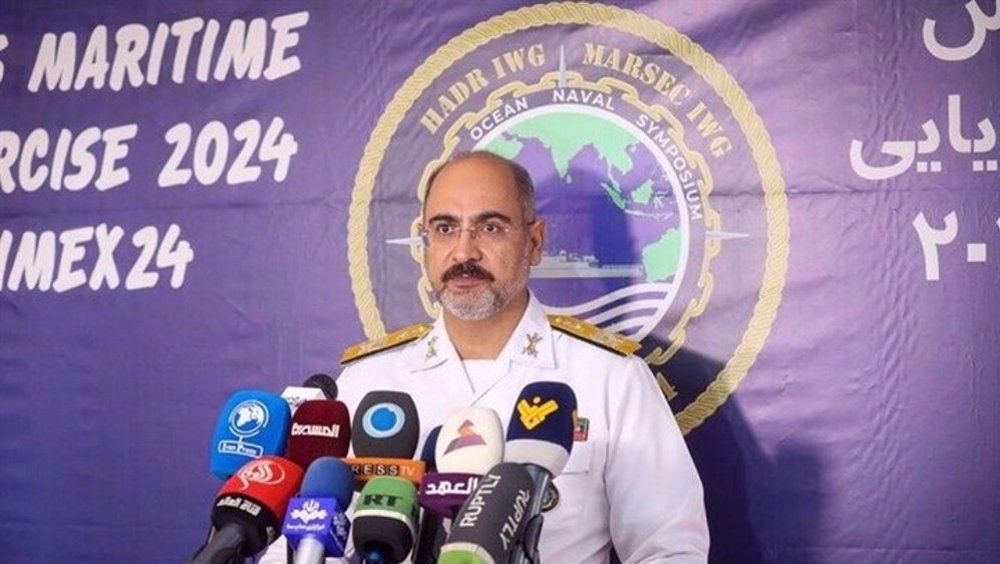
pixel 468 268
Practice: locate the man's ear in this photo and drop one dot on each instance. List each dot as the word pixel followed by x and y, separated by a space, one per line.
pixel 537 239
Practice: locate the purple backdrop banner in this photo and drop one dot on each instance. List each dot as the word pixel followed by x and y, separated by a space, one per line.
pixel 792 205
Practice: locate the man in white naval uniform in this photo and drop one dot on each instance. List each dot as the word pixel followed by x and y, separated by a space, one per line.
pixel 630 482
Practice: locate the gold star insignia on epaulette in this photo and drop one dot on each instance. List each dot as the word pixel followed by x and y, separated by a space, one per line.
pixel 532 347
pixel 390 341
pixel 594 334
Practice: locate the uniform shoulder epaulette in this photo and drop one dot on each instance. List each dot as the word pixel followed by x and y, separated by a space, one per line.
pixel 594 334
pixel 389 341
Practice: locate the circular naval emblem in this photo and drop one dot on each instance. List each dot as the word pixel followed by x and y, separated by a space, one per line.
pixel 667 214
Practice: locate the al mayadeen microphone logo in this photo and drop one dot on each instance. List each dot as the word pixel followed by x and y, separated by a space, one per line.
pixel 668 221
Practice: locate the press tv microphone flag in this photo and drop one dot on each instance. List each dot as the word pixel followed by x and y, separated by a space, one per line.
pixel 315 524
pixel 489 525
pixel 540 438
pixel 319 428
pixel 248 510
pixel 384 520
pixel 253 423
pixel 470 443
pixel 384 435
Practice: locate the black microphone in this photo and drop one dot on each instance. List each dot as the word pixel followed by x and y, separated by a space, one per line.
pixel 323 382
pixel 430 530
pixel 490 524
pixel 540 438
pixel 384 435
pixel 248 510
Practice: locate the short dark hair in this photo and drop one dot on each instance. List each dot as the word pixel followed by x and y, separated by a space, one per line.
pixel 522 179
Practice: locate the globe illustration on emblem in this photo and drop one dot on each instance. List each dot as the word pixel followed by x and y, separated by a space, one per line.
pixel 617 235
pixel 248 418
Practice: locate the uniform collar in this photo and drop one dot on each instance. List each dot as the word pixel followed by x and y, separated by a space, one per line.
pixel 530 344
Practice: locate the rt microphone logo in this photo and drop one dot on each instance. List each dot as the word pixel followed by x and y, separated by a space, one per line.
pixel 246 421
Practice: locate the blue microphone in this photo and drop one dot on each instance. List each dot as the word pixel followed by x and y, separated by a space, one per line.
pixel 253 423
pixel 315 524
pixel 539 437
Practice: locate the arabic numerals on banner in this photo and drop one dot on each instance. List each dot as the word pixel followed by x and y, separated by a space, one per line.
pixel 205 154
pixel 48 261
pixel 947 132
pixel 933 238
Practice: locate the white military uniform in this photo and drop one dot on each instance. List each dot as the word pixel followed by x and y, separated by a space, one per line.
pixel 629 481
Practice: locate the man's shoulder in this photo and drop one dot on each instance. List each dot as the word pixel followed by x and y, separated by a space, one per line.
pixel 394 340
pixel 591 334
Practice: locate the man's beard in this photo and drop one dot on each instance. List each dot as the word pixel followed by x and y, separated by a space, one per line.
pixel 482 302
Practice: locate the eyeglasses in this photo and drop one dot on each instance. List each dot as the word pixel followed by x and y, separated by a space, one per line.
pixel 490 231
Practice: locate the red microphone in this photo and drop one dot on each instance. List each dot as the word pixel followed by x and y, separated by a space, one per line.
pixel 249 509
pixel 319 428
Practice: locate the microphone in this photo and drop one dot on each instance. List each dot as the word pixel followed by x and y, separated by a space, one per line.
pixel 490 523
pixel 315 524
pixel 540 438
pixel 253 423
pixel 317 386
pixel 246 517
pixel 384 435
pixel 295 396
pixel 384 520
pixel 319 428
pixel 470 443
pixel 428 543
pixel 324 383
pixel 430 445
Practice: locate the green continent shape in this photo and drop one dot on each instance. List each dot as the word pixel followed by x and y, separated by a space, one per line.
pixel 565 134
pixel 506 148
pixel 644 193
pixel 660 259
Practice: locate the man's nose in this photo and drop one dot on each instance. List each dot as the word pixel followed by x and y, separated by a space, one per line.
pixel 466 248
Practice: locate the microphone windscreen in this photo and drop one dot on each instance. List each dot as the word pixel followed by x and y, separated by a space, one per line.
pixel 444 493
pixel 318 512
pixel 427 453
pixel 540 430
pixel 385 426
pixel 322 382
pixel 255 498
pixel 329 477
pixel 253 423
pixel 385 518
pixel 471 441
pixel 297 395
pixel 489 524
pixel 319 428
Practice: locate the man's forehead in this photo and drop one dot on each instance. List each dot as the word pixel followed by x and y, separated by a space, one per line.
pixel 472 186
